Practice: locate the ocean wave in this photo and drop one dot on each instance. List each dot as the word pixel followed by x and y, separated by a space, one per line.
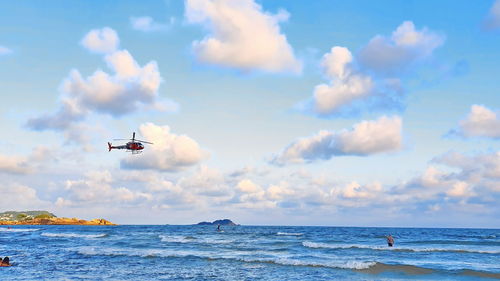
pixel 289 234
pixel 309 244
pixel 73 235
pixel 191 239
pixel 378 267
pixel 145 253
pixel 340 264
pixel 481 274
pixel 18 229
pixel 176 239
pixel 242 257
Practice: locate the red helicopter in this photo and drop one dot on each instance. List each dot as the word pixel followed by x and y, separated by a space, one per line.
pixel 134 146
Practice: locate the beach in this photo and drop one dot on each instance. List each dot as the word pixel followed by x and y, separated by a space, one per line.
pixel 133 252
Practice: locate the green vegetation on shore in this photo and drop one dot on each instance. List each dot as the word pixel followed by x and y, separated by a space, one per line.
pixel 25 215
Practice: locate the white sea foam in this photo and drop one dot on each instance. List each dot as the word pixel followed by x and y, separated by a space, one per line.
pixel 397 248
pixel 73 235
pixel 331 264
pixel 289 234
pixel 108 251
pixel 243 256
pixel 176 239
pixel 18 229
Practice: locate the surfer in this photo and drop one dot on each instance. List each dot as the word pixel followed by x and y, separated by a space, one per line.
pixel 218 228
pixel 5 262
pixel 390 240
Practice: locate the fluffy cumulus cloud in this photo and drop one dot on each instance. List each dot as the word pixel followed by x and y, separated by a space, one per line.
pixel 468 181
pixel 4 50
pixel 406 46
pixel 372 78
pixel 355 190
pixel 17 164
pixel 14 164
pixel 346 84
pixel 169 152
pixel 493 19
pixel 365 138
pixel 102 41
pixel 241 35
pixel 453 182
pixel 147 24
pixel 480 122
pixel 128 88
pixel 18 197
pixel 247 186
pixel 97 188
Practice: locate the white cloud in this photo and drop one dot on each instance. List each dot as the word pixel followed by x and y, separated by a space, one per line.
pixel 103 41
pixel 147 24
pixel 365 138
pixel 459 189
pixel 69 112
pixel 279 191
pixel 241 35
pixel 346 84
pixel 5 51
pixel 205 182
pixel 354 190
pixel 247 186
pixel 487 165
pixel 480 122
pixel 493 19
pixel 96 188
pixel 391 55
pixel 432 177
pixel 467 180
pixel 14 164
pixel 371 80
pixel 17 164
pixel 170 152
pixel 19 197
pixel 129 89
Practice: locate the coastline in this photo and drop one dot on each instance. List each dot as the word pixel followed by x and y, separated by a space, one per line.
pixel 58 221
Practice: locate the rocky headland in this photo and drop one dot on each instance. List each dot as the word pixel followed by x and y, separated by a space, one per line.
pixel 218 222
pixel 44 218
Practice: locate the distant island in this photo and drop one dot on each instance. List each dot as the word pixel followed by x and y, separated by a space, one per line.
pixel 44 218
pixel 217 222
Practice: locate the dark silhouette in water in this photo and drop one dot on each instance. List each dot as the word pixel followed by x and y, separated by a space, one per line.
pixel 5 262
pixel 390 240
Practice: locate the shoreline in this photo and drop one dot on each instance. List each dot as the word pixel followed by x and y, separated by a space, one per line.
pixel 58 221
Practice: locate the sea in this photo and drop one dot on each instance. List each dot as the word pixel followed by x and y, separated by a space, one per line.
pixel 181 252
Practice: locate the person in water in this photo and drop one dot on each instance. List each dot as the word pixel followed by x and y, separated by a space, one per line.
pixel 390 240
pixel 218 227
pixel 5 262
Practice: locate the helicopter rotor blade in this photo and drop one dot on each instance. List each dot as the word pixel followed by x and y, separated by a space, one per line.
pixel 145 141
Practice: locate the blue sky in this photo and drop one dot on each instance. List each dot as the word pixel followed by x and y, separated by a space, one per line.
pixel 356 113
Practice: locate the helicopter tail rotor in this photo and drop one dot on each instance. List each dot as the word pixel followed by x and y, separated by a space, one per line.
pixel 109 146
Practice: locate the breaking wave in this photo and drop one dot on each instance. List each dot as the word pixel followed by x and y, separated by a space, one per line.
pixel 73 235
pixel 191 239
pixel 18 229
pixel 243 257
pixel 289 234
pixel 397 248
